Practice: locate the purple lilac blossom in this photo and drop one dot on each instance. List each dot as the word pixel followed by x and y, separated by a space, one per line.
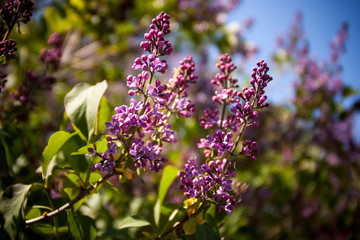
pixel 7 48
pixel 142 127
pixel 52 56
pixel 17 11
pixel 210 182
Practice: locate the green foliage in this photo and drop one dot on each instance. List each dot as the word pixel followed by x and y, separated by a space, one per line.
pixel 12 203
pixel 56 141
pixel 169 175
pixel 133 222
pixel 81 105
pixel 11 146
pixel 80 227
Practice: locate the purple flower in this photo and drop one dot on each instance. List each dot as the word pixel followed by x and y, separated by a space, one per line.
pixel 108 166
pixel 220 141
pixel 210 182
pixel 156 44
pixel 7 48
pixel 17 11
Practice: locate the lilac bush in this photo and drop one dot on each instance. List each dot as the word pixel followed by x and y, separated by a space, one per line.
pixel 78 159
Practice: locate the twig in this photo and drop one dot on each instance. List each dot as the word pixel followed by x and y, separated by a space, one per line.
pixel 69 204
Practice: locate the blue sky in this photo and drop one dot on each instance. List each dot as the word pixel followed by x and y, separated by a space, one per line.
pixel 321 21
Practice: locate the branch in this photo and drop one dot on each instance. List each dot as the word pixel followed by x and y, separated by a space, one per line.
pixel 178 224
pixel 69 204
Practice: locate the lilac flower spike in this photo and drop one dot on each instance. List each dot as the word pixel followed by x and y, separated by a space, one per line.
pixel 139 130
pixel 212 181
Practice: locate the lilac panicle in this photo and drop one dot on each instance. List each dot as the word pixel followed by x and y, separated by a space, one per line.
pixel 241 114
pixel 212 181
pixel 141 128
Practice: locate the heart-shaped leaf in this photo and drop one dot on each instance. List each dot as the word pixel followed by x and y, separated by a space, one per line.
pixel 81 105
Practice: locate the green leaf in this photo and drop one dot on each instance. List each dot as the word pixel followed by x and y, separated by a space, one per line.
pixel 80 162
pixel 105 113
pixel 81 105
pixel 72 184
pixel 133 222
pixel 208 230
pixel 348 91
pixel 43 228
pixel 12 205
pixel 56 141
pixel 101 147
pixel 189 226
pixel 80 227
pixel 169 175
pixel 2 59
pixel 13 145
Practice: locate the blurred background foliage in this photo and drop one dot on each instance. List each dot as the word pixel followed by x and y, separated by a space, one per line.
pixel 305 182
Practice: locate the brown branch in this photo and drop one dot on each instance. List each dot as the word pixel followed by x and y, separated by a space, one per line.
pixel 69 204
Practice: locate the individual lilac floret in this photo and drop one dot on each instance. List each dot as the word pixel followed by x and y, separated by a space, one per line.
pixel 220 141
pixel 211 182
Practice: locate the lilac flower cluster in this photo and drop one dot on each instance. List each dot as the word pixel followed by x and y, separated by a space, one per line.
pixel 12 12
pixel 33 83
pixel 210 182
pixel 16 11
pixel 52 56
pixel 141 128
pixel 241 115
pixel 156 44
pixel 7 49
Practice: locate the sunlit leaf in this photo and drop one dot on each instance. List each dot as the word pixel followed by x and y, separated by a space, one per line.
pixel 133 222
pixel 81 105
pixel 56 141
pixel 169 175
